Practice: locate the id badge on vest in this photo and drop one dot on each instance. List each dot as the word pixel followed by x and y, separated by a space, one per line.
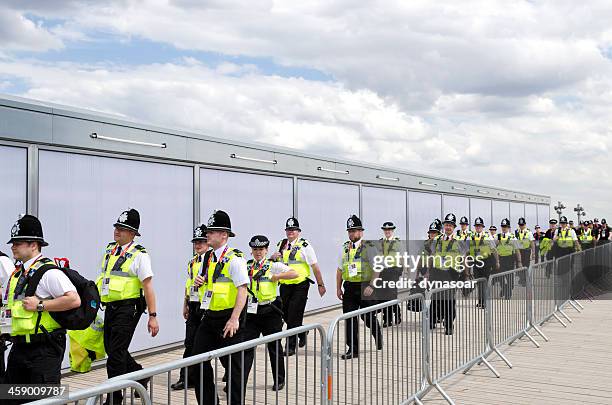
pixel 105 286
pixel 6 321
pixel 252 305
pixel 352 270
pixel 206 300
pixel 194 296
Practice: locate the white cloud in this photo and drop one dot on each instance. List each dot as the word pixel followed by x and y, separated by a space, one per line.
pixel 19 33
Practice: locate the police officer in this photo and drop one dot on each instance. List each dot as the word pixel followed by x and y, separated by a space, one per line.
pixel 428 250
pixel 509 257
pixel 264 313
pixel 603 233
pixel 223 303
pixel 565 240
pixel 526 244
pixel 297 253
pixel 463 233
pixel 193 296
pixel 447 267
pixel 493 231
pixel 389 245
pixel 482 245
pixel 38 341
pixel 6 269
pixel 355 288
pixel 126 290
pixel 585 235
pixel 537 237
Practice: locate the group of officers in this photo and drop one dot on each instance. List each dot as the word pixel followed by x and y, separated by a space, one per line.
pixel 228 299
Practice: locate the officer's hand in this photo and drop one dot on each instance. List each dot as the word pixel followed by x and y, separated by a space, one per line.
pixel 185 312
pixel 368 291
pixel 339 294
pixel 275 256
pixel 153 326
pixel 199 281
pixel 30 303
pixel 274 278
pixel 322 290
pixel 231 327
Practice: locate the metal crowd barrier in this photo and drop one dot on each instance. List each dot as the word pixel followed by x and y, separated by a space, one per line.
pixel 441 332
pixel 390 372
pixel 304 379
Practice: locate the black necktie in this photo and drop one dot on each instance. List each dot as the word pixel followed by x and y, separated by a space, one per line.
pixel 354 246
pixel 289 246
pixel 118 253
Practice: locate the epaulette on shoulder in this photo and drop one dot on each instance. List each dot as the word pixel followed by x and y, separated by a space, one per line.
pixel 237 252
pixel 304 242
pixel 250 261
pixel 140 248
pixel 111 244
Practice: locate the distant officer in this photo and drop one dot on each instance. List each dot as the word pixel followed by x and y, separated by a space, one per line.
pixel 565 240
pixel 482 246
pixel 38 341
pixel 6 269
pixel 571 225
pixel 223 309
pixel 298 254
pixel 538 235
pixel 194 292
pixel 126 290
pixel 603 236
pixel 585 235
pixel 264 308
pixel 390 246
pixel 509 257
pixel 493 231
pixel 354 275
pixel 428 249
pixel 526 244
pixel 463 233
pixel 447 266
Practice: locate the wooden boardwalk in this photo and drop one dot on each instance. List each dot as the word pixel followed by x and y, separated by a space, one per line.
pixel 575 366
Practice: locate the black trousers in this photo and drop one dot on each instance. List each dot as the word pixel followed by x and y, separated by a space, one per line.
pixel 525 260
pixel 353 300
pixel 35 363
pixel 266 322
pixel 391 315
pixel 507 282
pixel 120 321
pixel 294 297
pixel 444 304
pixel 191 327
pixel 209 336
pixel 484 271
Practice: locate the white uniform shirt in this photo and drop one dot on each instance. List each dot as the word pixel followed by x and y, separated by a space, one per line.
pixel 572 233
pixel 54 283
pixel 462 246
pixel 529 234
pixel 343 254
pixel 308 253
pixel 511 239
pixel 140 267
pixel 6 269
pixel 237 268
pixel 485 236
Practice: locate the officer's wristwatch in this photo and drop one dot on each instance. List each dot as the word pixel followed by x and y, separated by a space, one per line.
pixel 153 314
pixel 40 307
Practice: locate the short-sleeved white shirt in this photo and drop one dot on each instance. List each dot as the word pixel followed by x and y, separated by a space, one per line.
pixel 308 253
pixel 53 284
pixel 141 265
pixel 6 269
pixel 237 268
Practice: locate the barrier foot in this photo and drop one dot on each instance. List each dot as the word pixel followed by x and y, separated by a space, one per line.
pixel 579 304
pixel 539 332
pixel 501 356
pixel 417 401
pixel 565 315
pixel 490 367
pixel 571 302
pixel 444 394
pixel 560 320
pixel 531 339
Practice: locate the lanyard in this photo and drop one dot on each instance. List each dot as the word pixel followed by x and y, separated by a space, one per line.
pixel 348 252
pixel 255 270
pixel 206 275
pixel 113 254
pixel 22 277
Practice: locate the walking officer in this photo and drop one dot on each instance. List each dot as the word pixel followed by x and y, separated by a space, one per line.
pixel 390 246
pixel 482 245
pixel 603 233
pixel 585 235
pixel 193 296
pixel 509 257
pixel 526 245
pixel 126 290
pixel 537 238
pixel 264 313
pixel 38 341
pixel 6 269
pixel 565 240
pixel 297 253
pixel 223 303
pixel 463 233
pixel 493 231
pixel 355 276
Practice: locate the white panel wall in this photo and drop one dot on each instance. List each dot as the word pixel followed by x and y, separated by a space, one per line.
pixel 256 204
pixel 80 199
pixel 517 210
pixel 323 209
pixel 380 205
pixel 544 215
pixel 501 210
pixel 460 206
pixel 423 209
pixel 531 216
pixel 481 207
pixel 13 177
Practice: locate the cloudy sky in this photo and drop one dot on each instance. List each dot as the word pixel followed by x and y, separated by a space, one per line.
pixel 508 93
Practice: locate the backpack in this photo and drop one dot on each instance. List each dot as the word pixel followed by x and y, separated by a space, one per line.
pixel 77 318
